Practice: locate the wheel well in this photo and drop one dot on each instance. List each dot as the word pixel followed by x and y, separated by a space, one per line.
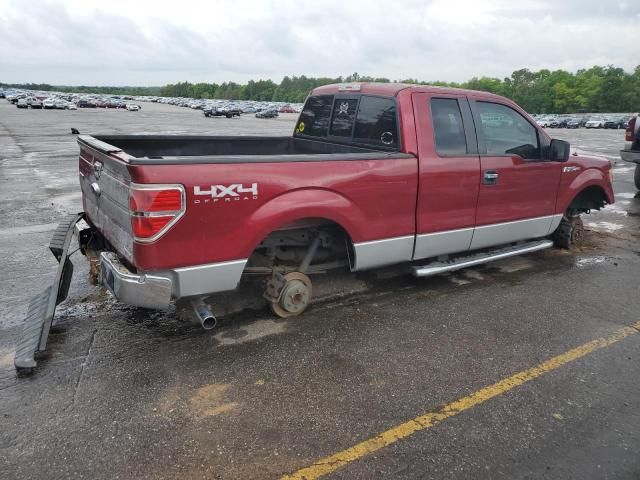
pixel 290 242
pixel 591 198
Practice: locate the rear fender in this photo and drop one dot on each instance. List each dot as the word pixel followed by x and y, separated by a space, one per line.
pixel 301 204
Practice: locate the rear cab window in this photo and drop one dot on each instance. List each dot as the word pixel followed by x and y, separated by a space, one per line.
pixel 359 119
pixel 448 127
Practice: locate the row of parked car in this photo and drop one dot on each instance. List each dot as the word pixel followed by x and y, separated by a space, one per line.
pixel 243 106
pixel 229 108
pixel 47 101
pixel 210 108
pixel 586 121
pixel 262 112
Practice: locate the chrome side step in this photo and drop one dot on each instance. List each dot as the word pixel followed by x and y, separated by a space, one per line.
pixel 479 258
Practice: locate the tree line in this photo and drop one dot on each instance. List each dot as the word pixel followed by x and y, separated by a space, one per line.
pixel 596 89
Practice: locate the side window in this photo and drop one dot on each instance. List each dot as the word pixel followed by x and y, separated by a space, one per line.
pixel 506 132
pixel 314 119
pixel 344 114
pixel 448 128
pixel 376 122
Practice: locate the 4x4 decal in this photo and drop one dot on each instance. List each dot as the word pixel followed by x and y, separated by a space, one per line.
pixel 228 193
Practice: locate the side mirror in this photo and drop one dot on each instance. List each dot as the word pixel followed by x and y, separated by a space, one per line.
pixel 559 150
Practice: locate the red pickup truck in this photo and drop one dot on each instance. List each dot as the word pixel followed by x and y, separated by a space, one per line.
pixel 373 175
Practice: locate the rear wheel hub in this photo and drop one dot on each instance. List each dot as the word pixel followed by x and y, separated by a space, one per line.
pixel 294 297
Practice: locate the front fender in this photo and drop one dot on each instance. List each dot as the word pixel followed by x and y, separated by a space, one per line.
pixel 590 177
pixel 300 204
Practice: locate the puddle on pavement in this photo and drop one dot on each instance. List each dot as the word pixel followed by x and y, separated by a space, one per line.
pixel 628 195
pixel 458 281
pixel 622 170
pixel 615 208
pixel 606 226
pixel 473 275
pixel 514 265
pixel 253 331
pixel 587 261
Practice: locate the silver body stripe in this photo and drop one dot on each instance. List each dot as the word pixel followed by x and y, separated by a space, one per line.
pixel 554 223
pixel 501 233
pixel 388 251
pixel 442 243
pixel 378 253
pixel 204 279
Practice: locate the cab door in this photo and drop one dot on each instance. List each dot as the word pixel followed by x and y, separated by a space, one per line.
pixel 449 174
pixel 518 185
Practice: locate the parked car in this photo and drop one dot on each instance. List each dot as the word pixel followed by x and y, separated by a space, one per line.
pixel 71 106
pixel 614 123
pixel 555 122
pixel 33 102
pixel 595 122
pixel 132 107
pixel 83 103
pixel 346 190
pixel 543 122
pixel 631 151
pixel 22 103
pixel 287 109
pixel 14 99
pixel 49 103
pixel 573 123
pixel 267 114
pixel 221 112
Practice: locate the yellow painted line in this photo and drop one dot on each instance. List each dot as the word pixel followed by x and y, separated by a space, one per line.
pixel 338 460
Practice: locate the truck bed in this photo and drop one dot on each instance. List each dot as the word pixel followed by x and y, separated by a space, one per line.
pixel 283 169
pixel 179 149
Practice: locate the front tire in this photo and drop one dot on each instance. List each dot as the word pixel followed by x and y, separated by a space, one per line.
pixel 636 176
pixel 570 232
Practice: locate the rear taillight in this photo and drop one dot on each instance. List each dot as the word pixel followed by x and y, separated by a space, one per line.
pixel 628 136
pixel 154 209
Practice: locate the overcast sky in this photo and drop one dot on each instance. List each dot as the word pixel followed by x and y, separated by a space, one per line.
pixel 135 42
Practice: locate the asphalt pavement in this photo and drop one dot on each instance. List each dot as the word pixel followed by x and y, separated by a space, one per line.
pixel 385 376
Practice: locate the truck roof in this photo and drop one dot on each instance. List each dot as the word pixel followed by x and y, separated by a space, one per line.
pixel 392 89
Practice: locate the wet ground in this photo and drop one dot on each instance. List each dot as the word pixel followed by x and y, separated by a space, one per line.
pixel 127 393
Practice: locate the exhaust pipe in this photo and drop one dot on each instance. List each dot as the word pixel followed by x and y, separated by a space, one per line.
pixel 203 314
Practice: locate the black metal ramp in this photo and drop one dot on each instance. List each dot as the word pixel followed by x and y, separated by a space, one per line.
pixel 42 307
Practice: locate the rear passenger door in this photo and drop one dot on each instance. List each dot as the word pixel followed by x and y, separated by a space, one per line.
pixel 449 174
pixel 518 185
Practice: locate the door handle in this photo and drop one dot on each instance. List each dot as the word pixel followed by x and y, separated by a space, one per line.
pixel 490 177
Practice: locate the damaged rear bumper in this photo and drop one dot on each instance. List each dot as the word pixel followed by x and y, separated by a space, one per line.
pixel 156 289
pixel 140 290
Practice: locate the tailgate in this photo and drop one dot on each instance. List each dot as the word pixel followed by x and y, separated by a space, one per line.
pixel 105 181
